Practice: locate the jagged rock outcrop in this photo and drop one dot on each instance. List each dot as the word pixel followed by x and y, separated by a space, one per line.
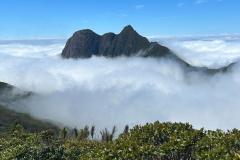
pixel 86 43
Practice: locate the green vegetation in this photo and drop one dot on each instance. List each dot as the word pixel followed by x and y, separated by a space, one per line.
pixel 9 118
pixel 155 141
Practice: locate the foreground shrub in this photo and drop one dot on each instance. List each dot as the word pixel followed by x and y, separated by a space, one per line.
pixel 155 141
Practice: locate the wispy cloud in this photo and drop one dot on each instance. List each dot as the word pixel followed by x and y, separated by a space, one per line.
pixel 201 1
pixel 139 6
pixel 181 4
pixel 206 1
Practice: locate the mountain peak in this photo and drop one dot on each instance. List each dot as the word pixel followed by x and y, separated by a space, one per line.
pixel 128 42
pixel 86 31
pixel 128 29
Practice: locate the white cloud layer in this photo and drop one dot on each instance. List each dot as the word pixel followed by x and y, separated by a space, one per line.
pixel 123 91
pixel 211 52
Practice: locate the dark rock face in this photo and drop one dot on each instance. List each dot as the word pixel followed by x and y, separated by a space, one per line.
pixel 83 44
pixel 156 50
pixel 106 44
pixel 86 43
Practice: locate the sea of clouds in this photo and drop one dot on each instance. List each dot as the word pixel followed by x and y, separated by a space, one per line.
pixel 120 91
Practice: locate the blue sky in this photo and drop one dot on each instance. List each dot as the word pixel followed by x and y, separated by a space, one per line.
pixel 27 19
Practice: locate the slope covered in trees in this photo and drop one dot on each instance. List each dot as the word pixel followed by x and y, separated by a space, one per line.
pixel 9 118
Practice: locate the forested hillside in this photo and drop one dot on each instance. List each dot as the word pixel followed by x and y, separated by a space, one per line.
pixel 10 118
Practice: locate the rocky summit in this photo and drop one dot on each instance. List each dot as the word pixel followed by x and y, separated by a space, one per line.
pixel 86 43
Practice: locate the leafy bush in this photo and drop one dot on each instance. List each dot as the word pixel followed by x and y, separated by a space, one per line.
pixel 154 141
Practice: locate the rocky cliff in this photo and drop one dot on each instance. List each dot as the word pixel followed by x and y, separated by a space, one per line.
pixel 86 43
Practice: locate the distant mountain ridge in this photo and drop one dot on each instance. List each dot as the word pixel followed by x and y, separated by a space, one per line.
pixel 9 93
pixel 86 43
pixel 9 118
